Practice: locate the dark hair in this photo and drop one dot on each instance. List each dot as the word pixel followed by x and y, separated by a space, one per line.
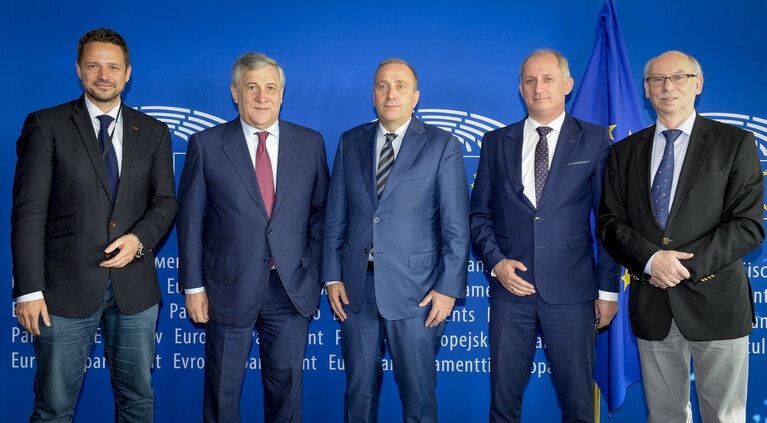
pixel 103 35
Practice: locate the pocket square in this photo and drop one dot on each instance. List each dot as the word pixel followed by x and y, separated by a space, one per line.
pixel 582 162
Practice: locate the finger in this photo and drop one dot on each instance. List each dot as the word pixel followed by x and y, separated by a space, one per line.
pixel 33 323
pixel 111 247
pixel 338 310
pixel 344 298
pixel 425 301
pixel 44 315
pixel 431 320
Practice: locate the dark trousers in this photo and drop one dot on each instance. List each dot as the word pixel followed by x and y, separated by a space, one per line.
pixel 282 334
pixel 569 335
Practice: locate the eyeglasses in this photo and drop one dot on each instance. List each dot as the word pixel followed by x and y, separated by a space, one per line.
pixel 678 79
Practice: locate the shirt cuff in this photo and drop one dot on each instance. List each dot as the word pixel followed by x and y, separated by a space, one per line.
pixel 608 296
pixel 194 290
pixel 37 295
pixel 649 262
pixel 331 283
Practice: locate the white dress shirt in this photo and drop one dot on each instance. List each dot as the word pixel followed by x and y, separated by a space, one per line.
pixel 272 149
pixel 116 129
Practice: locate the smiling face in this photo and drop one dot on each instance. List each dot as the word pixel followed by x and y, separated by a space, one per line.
pixel 259 96
pixel 103 73
pixel 673 103
pixel 395 95
pixel 544 87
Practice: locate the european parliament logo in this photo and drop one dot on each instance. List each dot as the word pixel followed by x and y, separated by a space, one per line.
pixel 469 128
pixel 182 123
pixel 750 123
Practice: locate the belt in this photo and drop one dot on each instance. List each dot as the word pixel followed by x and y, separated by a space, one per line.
pixel 371 266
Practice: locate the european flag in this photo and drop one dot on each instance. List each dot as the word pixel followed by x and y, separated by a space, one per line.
pixel 607 97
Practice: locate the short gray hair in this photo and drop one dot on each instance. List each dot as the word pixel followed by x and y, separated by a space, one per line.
pixel 696 69
pixel 396 61
pixel 254 61
pixel 564 66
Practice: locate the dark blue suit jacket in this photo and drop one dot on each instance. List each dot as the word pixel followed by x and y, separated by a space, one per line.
pixel 555 240
pixel 225 237
pixel 419 227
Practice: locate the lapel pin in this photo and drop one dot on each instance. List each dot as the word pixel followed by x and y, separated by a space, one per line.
pixel 135 128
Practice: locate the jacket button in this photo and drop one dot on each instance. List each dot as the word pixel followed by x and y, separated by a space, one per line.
pixel 269 231
pixel 665 241
pixel 376 219
pixel 112 224
pixel 266 261
pixel 538 219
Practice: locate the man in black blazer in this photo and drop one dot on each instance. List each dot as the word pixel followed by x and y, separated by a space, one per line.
pixel 682 204
pixel 92 196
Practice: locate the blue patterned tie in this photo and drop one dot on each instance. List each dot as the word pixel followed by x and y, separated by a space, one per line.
pixel 541 161
pixel 661 184
pixel 110 159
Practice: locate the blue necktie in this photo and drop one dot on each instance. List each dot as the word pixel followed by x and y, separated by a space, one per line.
pixel 661 184
pixel 110 159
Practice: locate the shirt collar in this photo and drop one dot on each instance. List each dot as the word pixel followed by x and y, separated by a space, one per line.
pixel 94 111
pixel 555 125
pixel 399 131
pixel 685 126
pixel 274 129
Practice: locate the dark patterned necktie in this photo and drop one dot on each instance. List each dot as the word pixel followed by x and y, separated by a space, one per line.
pixel 541 161
pixel 110 159
pixel 664 177
pixel 264 173
pixel 385 163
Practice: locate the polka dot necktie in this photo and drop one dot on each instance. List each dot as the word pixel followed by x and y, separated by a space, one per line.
pixel 541 161
pixel 661 184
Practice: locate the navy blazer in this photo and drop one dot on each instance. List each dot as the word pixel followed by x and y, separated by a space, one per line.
pixel 555 239
pixel 419 228
pixel 226 239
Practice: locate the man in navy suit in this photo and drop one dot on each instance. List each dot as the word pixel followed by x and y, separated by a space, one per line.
pixel 251 213
pixel 396 247
pixel 538 182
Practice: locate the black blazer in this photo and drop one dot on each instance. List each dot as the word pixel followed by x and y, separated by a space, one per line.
pixel 63 215
pixel 716 215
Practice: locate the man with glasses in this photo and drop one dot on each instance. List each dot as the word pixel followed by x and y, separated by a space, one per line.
pixel 682 241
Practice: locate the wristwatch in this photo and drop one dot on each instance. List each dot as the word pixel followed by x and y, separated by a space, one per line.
pixel 140 250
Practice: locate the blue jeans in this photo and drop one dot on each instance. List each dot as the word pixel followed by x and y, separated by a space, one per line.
pixel 62 350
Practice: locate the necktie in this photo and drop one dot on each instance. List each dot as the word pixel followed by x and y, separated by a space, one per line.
pixel 385 163
pixel 264 173
pixel 110 159
pixel 541 161
pixel 661 184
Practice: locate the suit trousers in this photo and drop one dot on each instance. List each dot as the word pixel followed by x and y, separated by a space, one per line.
pixel 413 348
pixel 568 334
pixel 721 378
pixel 282 334
pixel 62 350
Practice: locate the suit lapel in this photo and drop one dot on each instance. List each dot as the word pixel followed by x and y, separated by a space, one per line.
pixel 696 149
pixel 129 142
pixel 643 162
pixel 512 150
pixel 569 137
pixel 84 126
pixel 412 143
pixel 236 150
pixel 366 151
pixel 286 162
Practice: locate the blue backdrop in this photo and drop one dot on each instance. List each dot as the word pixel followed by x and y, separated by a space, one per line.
pixel 467 55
